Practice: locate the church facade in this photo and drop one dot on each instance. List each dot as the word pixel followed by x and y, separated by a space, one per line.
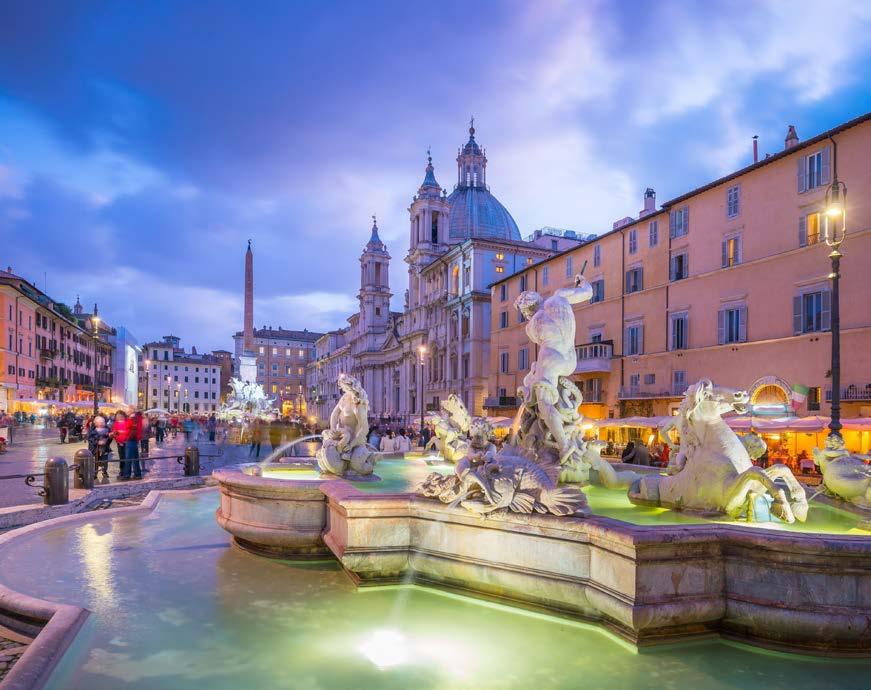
pixel 459 244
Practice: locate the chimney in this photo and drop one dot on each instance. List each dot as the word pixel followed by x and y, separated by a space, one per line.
pixel 755 148
pixel 791 138
pixel 649 203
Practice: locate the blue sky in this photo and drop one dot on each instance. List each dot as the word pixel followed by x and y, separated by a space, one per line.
pixel 142 143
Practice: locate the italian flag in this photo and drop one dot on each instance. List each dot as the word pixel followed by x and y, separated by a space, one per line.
pixel 799 395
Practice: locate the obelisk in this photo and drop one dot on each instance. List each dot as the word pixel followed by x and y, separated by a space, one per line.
pixel 248 359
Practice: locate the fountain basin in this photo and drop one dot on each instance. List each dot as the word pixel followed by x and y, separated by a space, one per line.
pixel 270 516
pixel 649 583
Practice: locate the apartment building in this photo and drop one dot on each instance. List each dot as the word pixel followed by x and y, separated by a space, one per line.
pixel 179 381
pixel 728 281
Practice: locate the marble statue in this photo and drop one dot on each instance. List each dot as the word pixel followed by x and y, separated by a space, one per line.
pixel 247 399
pixel 344 446
pixel 844 475
pixel 504 484
pixel 451 426
pixel 712 471
pixel 549 420
pixel 605 474
pixel 754 444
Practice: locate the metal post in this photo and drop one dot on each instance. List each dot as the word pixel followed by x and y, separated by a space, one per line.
pixel 86 470
pixel 191 461
pixel 420 376
pixel 56 482
pixel 835 424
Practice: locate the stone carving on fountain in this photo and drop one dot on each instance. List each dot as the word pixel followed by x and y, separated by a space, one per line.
pixel 547 440
pixel 845 475
pixel 344 446
pixel 712 470
pixel 452 425
pixel 248 398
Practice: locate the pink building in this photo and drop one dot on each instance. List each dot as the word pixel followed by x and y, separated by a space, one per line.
pixel 729 281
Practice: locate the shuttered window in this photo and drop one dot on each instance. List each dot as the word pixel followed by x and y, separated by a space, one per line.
pixel 653 233
pixel 814 170
pixel 634 280
pixel 633 339
pixel 809 229
pixel 732 325
pixel 597 255
pixel 598 287
pixel 503 362
pixel 733 201
pixel 731 252
pixel 679 266
pixel 679 332
pixel 812 312
pixel 679 222
pixel 633 241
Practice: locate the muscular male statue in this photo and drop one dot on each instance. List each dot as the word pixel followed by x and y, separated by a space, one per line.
pixel 551 326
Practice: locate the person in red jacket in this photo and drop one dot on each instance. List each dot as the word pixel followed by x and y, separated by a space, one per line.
pixel 121 433
pixel 137 433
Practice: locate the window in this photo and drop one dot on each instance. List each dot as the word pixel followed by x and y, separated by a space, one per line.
pixel 808 229
pixel 679 381
pixel 731 251
pixel 634 381
pixel 377 311
pixel 679 331
pixel 597 255
pixel 529 261
pixel 598 290
pixel 522 283
pixel 634 280
pixel 262 350
pixel 287 352
pixel 503 319
pixel 500 256
pixel 523 359
pixel 679 221
pixel 813 170
pixel 503 292
pixel 569 267
pixel 554 245
pixel 503 362
pixel 732 325
pixel 649 379
pixel 302 353
pixel 634 340
pixel 545 277
pixel 679 266
pixel 466 365
pixel 811 312
pixel 633 241
pixel 813 399
pixel 434 228
pixel 500 269
pixel 653 233
pixel 733 201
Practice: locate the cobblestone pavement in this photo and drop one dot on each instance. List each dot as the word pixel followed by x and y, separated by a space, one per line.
pixel 32 446
pixel 12 646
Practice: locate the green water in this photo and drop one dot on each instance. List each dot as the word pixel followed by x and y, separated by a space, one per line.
pixel 614 503
pixel 175 607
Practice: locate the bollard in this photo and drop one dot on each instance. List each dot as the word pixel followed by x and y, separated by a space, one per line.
pixel 56 482
pixel 191 461
pixel 86 469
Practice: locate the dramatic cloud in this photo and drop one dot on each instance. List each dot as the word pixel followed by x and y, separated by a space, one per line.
pixel 145 143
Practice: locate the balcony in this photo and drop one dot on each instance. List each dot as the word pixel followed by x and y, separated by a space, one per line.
pixel 640 393
pixel 47 353
pixel 594 358
pixel 852 392
pixel 501 401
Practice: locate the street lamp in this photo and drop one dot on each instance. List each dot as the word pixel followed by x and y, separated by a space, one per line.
pixel 147 379
pixel 422 351
pixel 95 321
pixel 835 234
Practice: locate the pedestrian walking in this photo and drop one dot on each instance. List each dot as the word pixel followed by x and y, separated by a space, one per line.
pixel 137 426
pixel 120 434
pixel 212 426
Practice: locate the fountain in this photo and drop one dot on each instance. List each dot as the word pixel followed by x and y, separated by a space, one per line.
pixel 248 399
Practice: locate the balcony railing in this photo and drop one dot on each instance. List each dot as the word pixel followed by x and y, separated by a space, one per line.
pixel 501 401
pixel 47 353
pixel 636 392
pixel 853 391
pixel 594 357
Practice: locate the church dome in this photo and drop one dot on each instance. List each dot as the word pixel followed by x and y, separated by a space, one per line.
pixel 475 212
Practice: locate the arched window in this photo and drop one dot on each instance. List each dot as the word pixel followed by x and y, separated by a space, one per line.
pixel 475 179
pixel 455 282
pixel 468 178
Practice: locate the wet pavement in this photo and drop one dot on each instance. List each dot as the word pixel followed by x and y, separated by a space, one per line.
pixel 32 446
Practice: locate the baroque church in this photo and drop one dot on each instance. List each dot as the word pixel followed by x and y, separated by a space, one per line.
pixel 459 244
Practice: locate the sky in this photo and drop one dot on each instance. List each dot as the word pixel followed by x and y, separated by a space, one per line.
pixel 143 143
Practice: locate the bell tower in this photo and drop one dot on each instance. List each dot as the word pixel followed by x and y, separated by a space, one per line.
pixel 374 292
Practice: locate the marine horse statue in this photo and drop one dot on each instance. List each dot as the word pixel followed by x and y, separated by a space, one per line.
pixel 714 471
